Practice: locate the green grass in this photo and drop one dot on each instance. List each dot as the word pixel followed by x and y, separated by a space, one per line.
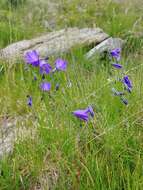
pixel 106 153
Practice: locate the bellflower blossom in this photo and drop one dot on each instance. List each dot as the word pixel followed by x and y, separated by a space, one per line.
pixel 32 57
pixel 117 66
pixel 84 114
pixel 45 86
pixel 29 101
pixel 127 82
pixel 45 68
pixel 116 53
pixel 60 65
pixel 81 114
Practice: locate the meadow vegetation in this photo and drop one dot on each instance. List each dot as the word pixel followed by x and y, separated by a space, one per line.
pixel 106 154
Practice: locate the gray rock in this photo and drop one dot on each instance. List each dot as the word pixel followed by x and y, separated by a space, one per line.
pixel 54 43
pixel 10 133
pixel 6 137
pixel 105 46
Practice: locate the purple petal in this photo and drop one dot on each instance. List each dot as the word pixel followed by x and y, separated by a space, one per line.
pixel 61 64
pixel 127 82
pixel 32 57
pixel 116 53
pixel 81 114
pixel 116 65
pixel 29 102
pixel 45 86
pixel 90 111
pixel 45 68
pixel 83 117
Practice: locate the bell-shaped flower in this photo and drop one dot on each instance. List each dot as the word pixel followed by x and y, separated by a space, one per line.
pixel 45 86
pixel 116 53
pixel 84 114
pixel 60 65
pixel 117 66
pixel 45 68
pixel 32 57
pixel 128 84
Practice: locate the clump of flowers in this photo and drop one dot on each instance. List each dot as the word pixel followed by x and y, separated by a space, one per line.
pixel 121 80
pixel 33 58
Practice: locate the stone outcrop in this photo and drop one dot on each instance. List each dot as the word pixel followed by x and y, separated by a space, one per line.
pixel 54 43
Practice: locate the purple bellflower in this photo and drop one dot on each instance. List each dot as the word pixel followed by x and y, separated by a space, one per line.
pixel 81 114
pixel 127 82
pixel 84 114
pixel 45 86
pixel 116 53
pixel 45 68
pixel 29 101
pixel 32 57
pixel 117 66
pixel 60 65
